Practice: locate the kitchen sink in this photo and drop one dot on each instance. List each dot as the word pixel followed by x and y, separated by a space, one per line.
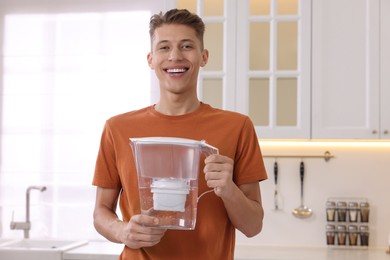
pixel 37 249
pixel 3 241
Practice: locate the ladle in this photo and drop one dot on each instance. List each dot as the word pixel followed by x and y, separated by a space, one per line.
pixel 302 211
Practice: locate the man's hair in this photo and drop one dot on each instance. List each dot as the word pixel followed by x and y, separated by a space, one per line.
pixel 178 16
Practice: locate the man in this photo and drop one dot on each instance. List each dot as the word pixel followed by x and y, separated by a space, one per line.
pixel 177 53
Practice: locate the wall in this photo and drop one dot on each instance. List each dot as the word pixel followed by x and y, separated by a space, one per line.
pixel 358 170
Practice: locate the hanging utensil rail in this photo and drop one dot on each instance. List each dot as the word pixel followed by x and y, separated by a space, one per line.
pixel 327 156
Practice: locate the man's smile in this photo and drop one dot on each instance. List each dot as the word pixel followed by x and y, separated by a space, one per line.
pixel 176 70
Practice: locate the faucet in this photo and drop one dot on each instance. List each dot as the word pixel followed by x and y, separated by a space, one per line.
pixel 26 225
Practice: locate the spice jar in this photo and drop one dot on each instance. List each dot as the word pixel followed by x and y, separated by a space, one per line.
pixel 353 211
pixel 364 211
pixel 341 234
pixel 341 211
pixel 352 235
pixel 330 211
pixel 364 235
pixel 330 234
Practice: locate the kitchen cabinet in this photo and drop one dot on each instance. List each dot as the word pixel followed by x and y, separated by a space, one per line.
pixel 350 63
pixel 299 69
pixel 273 67
pixel 259 62
pixel 385 69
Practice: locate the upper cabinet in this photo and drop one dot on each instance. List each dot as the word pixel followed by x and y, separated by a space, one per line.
pixel 300 69
pixel 217 80
pixel 350 53
pixel 273 66
pixel 259 62
pixel 385 69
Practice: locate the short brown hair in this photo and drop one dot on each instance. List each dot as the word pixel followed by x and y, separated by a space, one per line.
pixel 178 16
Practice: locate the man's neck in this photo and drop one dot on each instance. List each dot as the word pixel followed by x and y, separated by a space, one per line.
pixel 177 108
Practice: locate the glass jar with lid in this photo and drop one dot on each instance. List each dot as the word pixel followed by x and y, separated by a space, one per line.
pixel 364 211
pixel 353 235
pixel 341 234
pixel 353 210
pixel 341 211
pixel 330 211
pixel 330 234
pixel 364 235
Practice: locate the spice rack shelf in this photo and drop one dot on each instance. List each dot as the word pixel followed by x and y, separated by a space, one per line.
pixel 326 156
pixel 347 222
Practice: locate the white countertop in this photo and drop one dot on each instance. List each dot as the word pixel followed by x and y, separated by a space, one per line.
pixel 98 250
pixel 101 250
pixel 252 252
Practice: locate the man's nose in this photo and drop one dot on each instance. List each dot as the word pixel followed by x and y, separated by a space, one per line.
pixel 175 54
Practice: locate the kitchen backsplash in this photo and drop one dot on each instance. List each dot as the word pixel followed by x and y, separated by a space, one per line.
pixel 358 170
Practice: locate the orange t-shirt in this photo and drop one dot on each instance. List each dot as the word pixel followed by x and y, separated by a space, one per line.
pixel 234 135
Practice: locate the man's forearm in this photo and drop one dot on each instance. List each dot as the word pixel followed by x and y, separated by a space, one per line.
pixel 108 224
pixel 245 211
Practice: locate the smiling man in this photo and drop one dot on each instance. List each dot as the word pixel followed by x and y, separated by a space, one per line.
pixel 176 55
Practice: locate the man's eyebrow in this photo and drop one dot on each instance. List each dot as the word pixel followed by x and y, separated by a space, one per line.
pixel 181 41
pixel 162 42
pixel 187 40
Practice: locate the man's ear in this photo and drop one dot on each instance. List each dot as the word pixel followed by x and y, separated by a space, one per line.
pixel 205 57
pixel 150 60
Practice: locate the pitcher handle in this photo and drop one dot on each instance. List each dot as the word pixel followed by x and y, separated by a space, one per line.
pixel 209 149
pixel 207 191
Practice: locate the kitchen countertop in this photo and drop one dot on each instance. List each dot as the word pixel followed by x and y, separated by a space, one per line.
pixel 252 252
pixel 97 250
pixel 102 250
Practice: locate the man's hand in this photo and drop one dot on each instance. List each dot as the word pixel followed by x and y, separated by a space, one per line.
pixel 242 203
pixel 139 232
pixel 219 174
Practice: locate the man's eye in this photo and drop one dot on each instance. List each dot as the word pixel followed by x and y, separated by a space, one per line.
pixel 187 46
pixel 164 48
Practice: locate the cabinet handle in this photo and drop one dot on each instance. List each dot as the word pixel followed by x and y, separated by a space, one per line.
pixel 386 132
pixel 374 132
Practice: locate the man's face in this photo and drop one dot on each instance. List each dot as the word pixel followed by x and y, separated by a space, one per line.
pixel 176 57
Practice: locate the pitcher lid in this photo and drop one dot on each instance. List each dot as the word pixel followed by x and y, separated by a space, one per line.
pixel 167 140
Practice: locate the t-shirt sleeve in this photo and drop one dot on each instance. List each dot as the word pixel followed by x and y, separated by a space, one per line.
pixel 106 172
pixel 249 165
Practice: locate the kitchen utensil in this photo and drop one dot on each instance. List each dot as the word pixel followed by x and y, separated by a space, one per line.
pixel 168 170
pixel 276 186
pixel 302 211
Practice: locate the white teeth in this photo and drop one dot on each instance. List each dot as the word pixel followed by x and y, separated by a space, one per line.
pixel 176 70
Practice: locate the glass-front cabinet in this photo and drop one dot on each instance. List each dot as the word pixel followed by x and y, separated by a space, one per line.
pixel 217 84
pixel 259 62
pixel 273 66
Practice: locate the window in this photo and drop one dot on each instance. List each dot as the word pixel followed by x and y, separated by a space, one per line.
pixel 65 70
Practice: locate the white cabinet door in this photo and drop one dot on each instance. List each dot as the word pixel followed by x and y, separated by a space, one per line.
pixel 385 70
pixel 273 67
pixel 345 69
pixel 259 62
pixel 216 85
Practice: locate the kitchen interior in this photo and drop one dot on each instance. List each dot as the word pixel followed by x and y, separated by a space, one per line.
pixel 313 75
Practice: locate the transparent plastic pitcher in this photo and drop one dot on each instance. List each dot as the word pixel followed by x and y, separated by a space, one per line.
pixel 168 170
